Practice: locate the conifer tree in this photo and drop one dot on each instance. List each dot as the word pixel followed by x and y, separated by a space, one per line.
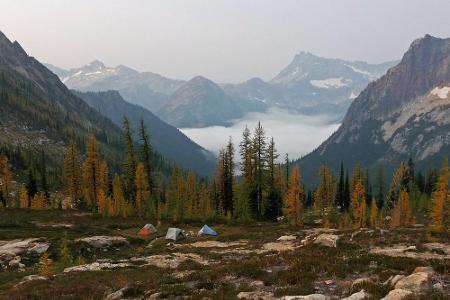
pixel 401 214
pixel 357 208
pixel 399 182
pixel 441 200
pixel 45 266
pixel 65 256
pixel 118 199
pixel 245 200
pixel 23 197
pixel 192 197
pixel 325 193
pixel 293 204
pixel 346 199
pixel 91 173
pixel 380 187
pixel 274 198
pixel 43 172
pixel 72 173
pixel 39 201
pixel 5 179
pixel 142 190
pixel 129 164
pixel 31 185
pixel 340 188
pixel 146 155
pixel 229 178
pixel 373 213
pixel 259 149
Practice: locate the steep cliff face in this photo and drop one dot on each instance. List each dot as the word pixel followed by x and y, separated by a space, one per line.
pixel 405 113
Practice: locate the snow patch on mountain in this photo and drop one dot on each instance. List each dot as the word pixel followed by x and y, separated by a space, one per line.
pixel 331 83
pixel 441 92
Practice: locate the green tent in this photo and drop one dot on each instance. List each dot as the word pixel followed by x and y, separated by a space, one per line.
pixel 175 234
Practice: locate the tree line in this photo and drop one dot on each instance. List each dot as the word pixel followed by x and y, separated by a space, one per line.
pixel 259 187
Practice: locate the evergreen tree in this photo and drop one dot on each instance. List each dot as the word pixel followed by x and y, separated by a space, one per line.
pixel 380 187
pixel 259 147
pixel 142 190
pixel 31 185
pixel 43 172
pixel 274 198
pixel 341 188
pixel 346 193
pixel 65 256
pixel 146 154
pixel 118 199
pixel 129 164
pixel 373 213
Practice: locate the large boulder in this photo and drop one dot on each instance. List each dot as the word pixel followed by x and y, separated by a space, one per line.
pixel 102 241
pixel 20 251
pixel 328 240
pixel 397 294
pixel 416 282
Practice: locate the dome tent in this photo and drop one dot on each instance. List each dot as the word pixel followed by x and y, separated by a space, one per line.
pixel 206 230
pixel 175 234
pixel 147 230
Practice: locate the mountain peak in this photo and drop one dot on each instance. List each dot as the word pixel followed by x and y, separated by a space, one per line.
pixel 96 64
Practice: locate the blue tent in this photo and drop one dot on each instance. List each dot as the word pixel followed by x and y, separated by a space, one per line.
pixel 207 230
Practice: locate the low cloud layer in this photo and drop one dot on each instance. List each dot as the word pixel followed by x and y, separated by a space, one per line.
pixel 294 134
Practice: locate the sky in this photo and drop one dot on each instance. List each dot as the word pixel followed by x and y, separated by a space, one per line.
pixel 224 40
pixel 294 134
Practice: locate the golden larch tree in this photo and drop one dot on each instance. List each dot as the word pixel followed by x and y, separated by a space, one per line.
pixel 72 173
pixel 23 197
pixel 5 178
pixel 357 209
pixel 440 200
pixel 293 205
pixel 91 172
pixel 373 214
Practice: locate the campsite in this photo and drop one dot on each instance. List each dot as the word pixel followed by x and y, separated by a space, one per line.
pixel 252 261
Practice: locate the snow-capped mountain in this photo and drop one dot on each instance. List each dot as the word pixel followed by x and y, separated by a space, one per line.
pixel 144 88
pixel 312 84
pixel 405 113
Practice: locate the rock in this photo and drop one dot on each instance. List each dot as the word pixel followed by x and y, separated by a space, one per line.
pixel 328 240
pixel 120 294
pixel 26 249
pixel 97 266
pixel 170 261
pixel 416 282
pixel 15 263
pixel 438 287
pixel 357 296
pixel 217 244
pixel 102 241
pixel 286 238
pixel 393 280
pixel 30 278
pixel 154 296
pixel 428 270
pixel 411 251
pixel 328 282
pixel 260 295
pixel 308 297
pixel 278 247
pixel 397 294
pixel 359 281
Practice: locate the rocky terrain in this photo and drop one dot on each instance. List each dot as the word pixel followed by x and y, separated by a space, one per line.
pixel 403 114
pixel 260 261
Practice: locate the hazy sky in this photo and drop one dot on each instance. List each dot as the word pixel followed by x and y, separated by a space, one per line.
pixel 225 40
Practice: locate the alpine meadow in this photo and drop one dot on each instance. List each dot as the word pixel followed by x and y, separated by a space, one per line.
pixel 293 149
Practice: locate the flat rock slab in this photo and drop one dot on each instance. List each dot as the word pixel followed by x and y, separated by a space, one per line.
pixel 357 296
pixel 102 241
pixel 286 238
pixel 170 261
pixel 18 250
pixel 408 251
pixel 279 246
pixel 97 266
pixel 217 244
pixel 327 240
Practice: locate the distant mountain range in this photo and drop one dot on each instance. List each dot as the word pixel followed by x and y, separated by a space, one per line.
pixel 309 85
pixel 405 113
pixel 38 112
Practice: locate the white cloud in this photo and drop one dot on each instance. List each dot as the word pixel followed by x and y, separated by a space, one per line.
pixel 294 134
